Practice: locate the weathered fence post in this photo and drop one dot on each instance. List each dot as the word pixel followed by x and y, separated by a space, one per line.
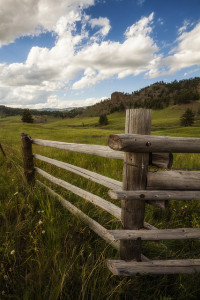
pixel 27 155
pixel 135 169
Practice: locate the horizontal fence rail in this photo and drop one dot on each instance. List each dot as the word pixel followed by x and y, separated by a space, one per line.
pixel 158 234
pixel 153 143
pixel 139 186
pixel 123 268
pixel 173 180
pixel 155 195
pixel 106 205
pixel 103 180
pixel 98 201
pixel 103 151
pixel 95 226
pixel 160 160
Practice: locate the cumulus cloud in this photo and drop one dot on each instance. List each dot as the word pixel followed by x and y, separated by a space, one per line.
pixel 135 55
pixel 104 25
pixel 22 17
pixel 186 54
pixel 80 59
pixel 53 101
pixel 80 55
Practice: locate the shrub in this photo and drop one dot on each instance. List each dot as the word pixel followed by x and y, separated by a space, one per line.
pixel 103 120
pixel 187 119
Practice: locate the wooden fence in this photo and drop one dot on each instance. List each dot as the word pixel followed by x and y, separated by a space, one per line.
pixel 138 149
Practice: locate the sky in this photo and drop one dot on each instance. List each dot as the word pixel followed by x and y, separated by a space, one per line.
pixel 70 53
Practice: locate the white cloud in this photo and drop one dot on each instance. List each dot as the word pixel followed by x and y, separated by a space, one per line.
pixel 103 23
pixel 141 27
pixel 186 54
pixel 53 101
pixel 183 28
pixel 51 70
pixel 22 17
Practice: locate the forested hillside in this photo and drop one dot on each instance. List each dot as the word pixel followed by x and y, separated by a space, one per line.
pixel 156 96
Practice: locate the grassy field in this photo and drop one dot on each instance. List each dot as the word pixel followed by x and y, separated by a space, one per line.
pixel 46 253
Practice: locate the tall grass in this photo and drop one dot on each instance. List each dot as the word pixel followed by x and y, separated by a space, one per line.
pixel 47 253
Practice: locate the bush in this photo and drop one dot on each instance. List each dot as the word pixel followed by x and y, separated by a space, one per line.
pixel 103 120
pixel 187 119
pixel 26 116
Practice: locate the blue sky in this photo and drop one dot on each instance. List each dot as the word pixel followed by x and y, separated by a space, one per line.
pixel 68 53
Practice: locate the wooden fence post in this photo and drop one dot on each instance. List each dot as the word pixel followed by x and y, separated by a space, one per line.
pixel 135 169
pixel 27 155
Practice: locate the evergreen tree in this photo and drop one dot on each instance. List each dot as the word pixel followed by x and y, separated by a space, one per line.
pixel 187 119
pixel 26 116
pixel 103 120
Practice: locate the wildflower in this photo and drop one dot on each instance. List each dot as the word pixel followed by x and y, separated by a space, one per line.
pixel 12 252
pixel 40 222
pixel 38 211
pixel 43 231
pixel 5 277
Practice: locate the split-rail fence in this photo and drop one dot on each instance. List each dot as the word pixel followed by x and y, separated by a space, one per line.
pixel 138 149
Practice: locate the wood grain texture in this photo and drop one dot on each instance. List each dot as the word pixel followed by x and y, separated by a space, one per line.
pixel 160 160
pixel 123 268
pixel 173 180
pixel 156 234
pixel 103 151
pixel 155 195
pixel 146 143
pixel 134 178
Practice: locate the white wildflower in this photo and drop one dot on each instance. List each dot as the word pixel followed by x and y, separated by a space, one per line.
pixel 12 252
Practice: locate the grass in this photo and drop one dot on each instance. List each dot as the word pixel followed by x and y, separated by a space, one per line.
pixel 46 253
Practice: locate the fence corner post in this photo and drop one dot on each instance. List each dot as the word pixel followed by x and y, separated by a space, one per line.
pixel 138 121
pixel 28 162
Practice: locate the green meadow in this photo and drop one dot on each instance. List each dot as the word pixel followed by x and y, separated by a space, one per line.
pixel 47 253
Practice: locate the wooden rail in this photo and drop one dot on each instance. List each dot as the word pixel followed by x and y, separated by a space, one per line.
pixel 95 226
pixel 152 143
pixel 155 195
pixel 123 268
pixel 139 186
pixel 160 160
pixel 103 180
pixel 98 201
pixel 156 234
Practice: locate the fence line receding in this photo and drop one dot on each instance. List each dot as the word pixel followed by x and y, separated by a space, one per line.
pixel 138 149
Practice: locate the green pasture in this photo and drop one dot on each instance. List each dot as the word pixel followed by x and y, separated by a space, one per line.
pixel 47 253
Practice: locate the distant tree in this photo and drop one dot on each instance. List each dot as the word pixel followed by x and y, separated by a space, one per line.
pixel 103 120
pixel 26 116
pixel 187 119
